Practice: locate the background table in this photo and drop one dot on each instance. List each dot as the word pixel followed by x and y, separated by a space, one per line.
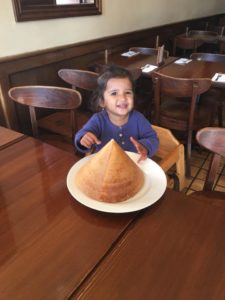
pixel 194 69
pixel 137 61
pixel 8 136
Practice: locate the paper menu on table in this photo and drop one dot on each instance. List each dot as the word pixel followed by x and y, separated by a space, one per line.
pixel 129 53
pixel 148 68
pixel 182 61
pixel 219 77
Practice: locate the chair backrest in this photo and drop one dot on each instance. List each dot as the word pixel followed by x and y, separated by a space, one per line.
pixel 83 79
pixel 149 51
pixel 203 33
pixel 212 139
pixel 171 153
pixel 185 43
pixel 179 88
pixel 50 97
pixel 211 57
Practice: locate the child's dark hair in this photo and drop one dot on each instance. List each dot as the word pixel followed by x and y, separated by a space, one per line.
pixel 108 73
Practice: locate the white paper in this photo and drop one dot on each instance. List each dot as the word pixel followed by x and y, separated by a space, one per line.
pixel 148 68
pixel 182 61
pixel 219 77
pixel 130 53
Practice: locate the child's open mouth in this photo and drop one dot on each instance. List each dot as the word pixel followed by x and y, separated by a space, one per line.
pixel 122 105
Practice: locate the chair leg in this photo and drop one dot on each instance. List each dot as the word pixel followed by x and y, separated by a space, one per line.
pixel 173 182
pixel 180 167
pixel 188 156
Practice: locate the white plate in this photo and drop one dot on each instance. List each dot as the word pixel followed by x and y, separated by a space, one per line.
pixel 154 187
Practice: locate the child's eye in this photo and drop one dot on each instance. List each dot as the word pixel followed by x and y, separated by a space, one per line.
pixel 113 94
pixel 129 93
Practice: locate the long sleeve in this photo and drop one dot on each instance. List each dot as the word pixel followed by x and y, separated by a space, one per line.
pixel 147 135
pixel 137 126
pixel 93 125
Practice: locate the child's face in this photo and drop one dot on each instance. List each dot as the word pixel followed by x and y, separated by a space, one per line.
pixel 118 97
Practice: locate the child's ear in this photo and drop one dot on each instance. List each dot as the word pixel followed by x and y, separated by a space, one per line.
pixel 101 103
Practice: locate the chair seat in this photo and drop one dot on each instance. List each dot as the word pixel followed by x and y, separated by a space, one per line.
pixel 60 123
pixel 175 113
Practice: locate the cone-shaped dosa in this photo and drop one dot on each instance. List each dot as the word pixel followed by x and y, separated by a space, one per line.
pixel 110 175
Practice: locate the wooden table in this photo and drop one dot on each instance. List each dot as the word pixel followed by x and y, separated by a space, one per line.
pixel 174 251
pixel 49 242
pixel 8 136
pixel 194 69
pixel 52 247
pixel 137 61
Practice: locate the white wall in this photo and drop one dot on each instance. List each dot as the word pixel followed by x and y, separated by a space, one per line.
pixel 118 17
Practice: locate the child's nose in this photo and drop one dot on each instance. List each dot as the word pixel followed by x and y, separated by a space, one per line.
pixel 122 96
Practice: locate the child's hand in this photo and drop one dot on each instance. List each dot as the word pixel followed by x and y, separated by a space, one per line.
pixel 89 139
pixel 140 149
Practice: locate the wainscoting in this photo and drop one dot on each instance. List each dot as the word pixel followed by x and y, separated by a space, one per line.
pixel 41 67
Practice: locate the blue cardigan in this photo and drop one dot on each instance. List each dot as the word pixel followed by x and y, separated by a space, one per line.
pixel 137 126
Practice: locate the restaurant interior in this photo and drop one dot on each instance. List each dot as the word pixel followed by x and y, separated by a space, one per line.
pixel 58 243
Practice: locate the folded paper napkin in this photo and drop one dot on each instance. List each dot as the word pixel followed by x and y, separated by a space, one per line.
pixel 130 53
pixel 219 77
pixel 148 68
pixel 182 61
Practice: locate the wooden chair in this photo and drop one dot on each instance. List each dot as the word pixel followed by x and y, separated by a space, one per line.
pixel 48 97
pixel 169 155
pixel 179 108
pixel 84 82
pixel 148 51
pixel 185 43
pixel 203 33
pixel 217 93
pixel 82 79
pixel 212 139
